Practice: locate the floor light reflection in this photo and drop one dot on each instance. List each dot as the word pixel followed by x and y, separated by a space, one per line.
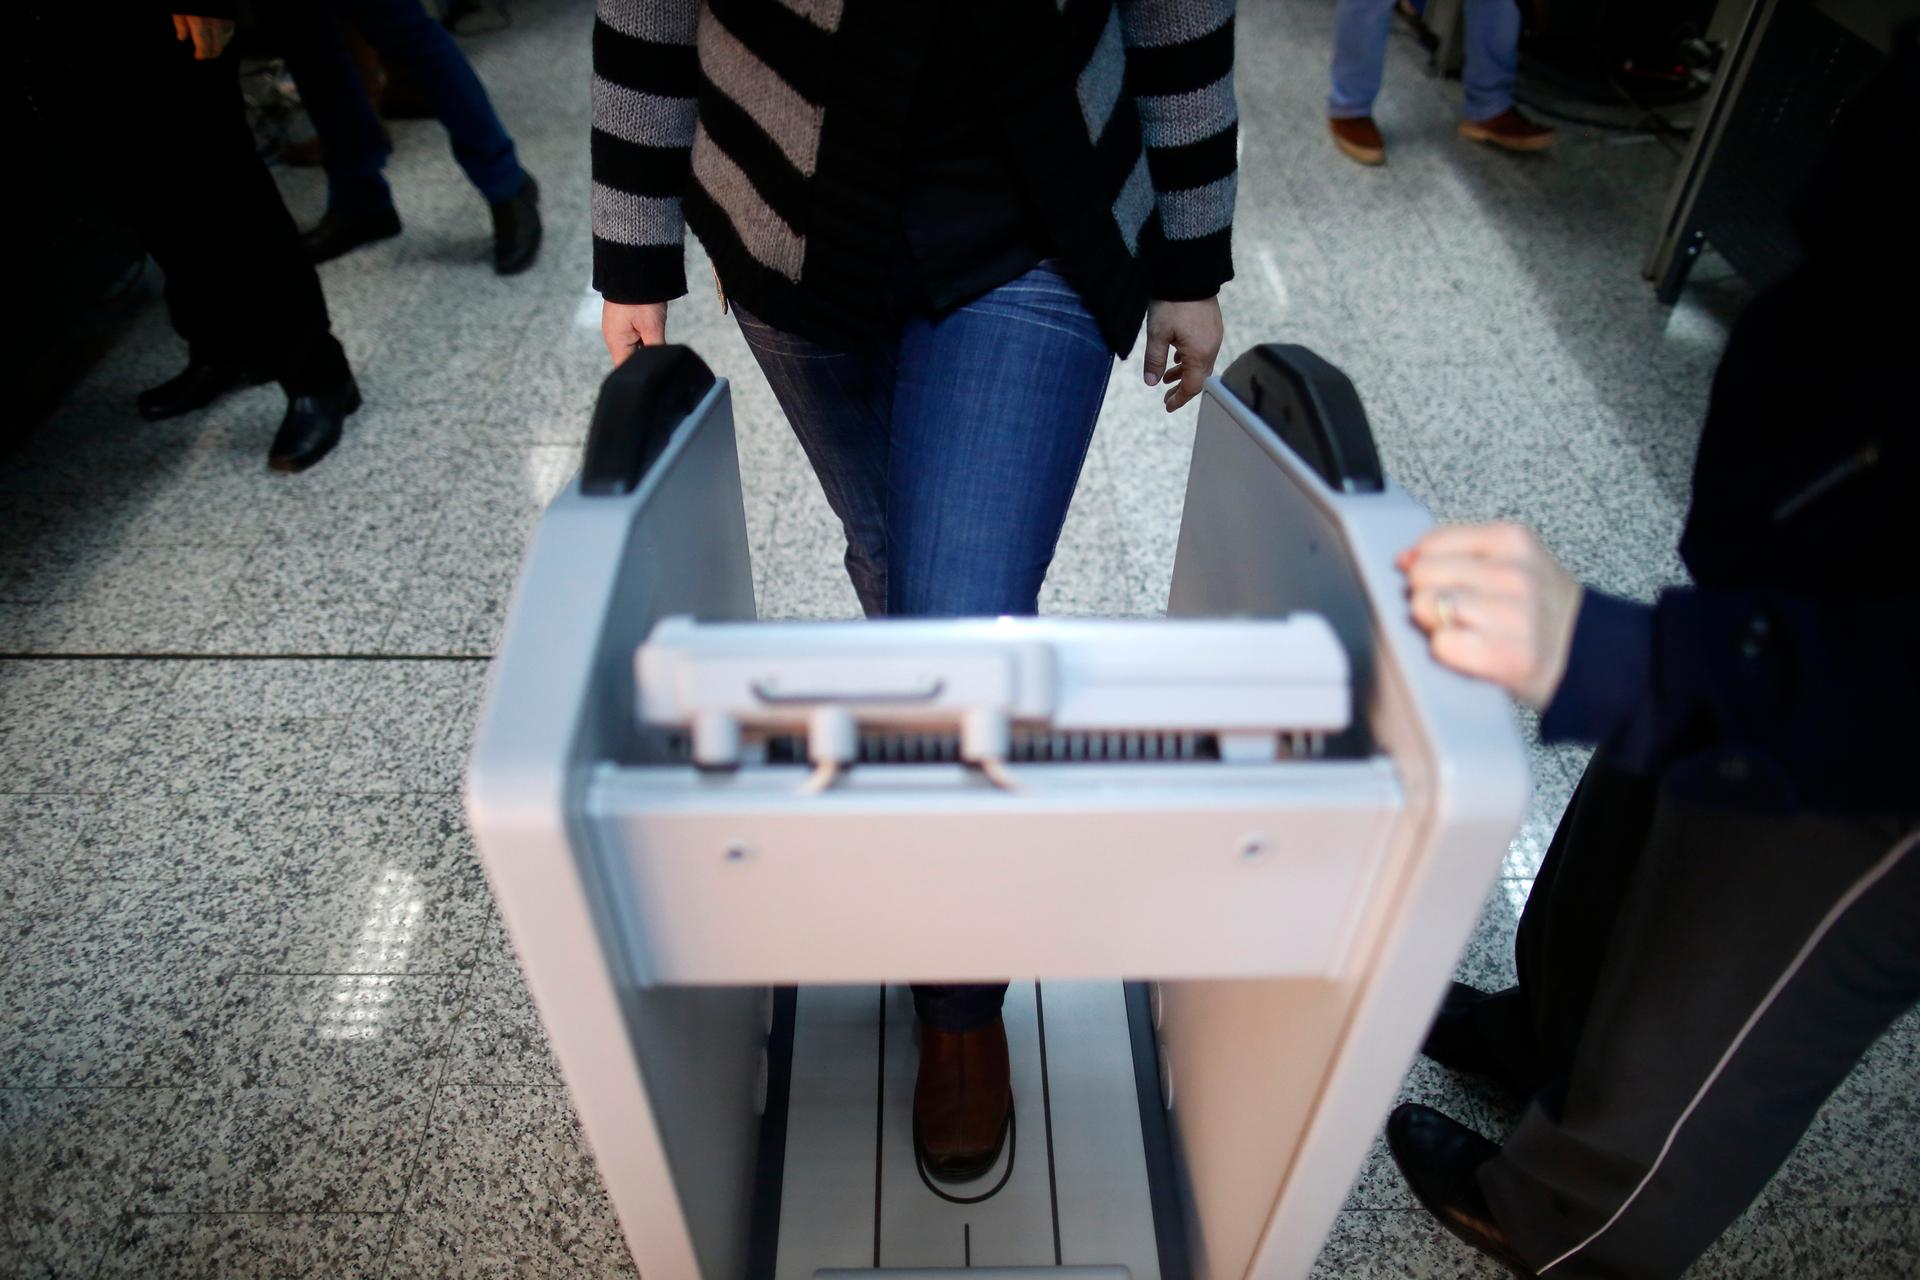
pixel 362 993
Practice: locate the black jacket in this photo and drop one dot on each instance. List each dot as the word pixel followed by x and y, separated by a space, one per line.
pixel 1789 676
pixel 775 132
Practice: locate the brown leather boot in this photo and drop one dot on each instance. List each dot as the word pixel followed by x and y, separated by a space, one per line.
pixel 1510 131
pixel 962 1101
pixel 1359 137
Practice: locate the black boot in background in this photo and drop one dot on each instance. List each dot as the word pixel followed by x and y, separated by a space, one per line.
pixel 337 233
pixel 516 230
pixel 194 387
pixel 312 426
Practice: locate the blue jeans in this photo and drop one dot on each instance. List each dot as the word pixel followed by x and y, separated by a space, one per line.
pixel 408 39
pixel 950 456
pixel 1360 31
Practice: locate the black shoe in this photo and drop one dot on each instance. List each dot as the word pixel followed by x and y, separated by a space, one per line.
pixel 516 229
pixel 194 387
pixel 1460 1041
pixel 312 427
pixel 1452 1041
pixel 337 233
pixel 1439 1159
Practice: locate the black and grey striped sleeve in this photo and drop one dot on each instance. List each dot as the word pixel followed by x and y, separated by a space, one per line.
pixel 645 77
pixel 1180 74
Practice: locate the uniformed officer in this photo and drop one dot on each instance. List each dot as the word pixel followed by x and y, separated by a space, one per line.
pixel 1729 914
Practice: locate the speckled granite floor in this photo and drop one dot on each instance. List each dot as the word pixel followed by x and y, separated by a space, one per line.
pixel 257 1015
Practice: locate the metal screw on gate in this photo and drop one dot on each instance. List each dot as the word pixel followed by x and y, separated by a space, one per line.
pixel 737 852
pixel 1253 846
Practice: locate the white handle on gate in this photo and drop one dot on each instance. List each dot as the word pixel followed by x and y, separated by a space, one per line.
pixel 1248 681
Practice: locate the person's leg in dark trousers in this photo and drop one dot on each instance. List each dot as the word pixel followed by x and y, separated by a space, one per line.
pixel 1585 880
pixel 239 288
pixel 353 145
pixel 354 150
pixel 1709 986
pixel 410 39
pixel 1526 1035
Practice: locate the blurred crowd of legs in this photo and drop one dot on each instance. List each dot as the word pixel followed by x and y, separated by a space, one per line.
pixel 241 288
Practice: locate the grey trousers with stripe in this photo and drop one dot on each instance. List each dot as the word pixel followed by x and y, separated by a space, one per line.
pixel 1694 982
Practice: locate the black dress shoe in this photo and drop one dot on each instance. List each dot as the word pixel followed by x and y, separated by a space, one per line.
pixel 194 387
pixel 516 229
pixel 312 427
pixel 1439 1158
pixel 1465 1037
pixel 337 233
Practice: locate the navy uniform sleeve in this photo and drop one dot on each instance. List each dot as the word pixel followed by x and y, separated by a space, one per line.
pixel 1822 691
pixel 1607 671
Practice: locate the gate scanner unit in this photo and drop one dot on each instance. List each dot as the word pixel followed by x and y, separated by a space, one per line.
pixel 988 691
pixel 1227 860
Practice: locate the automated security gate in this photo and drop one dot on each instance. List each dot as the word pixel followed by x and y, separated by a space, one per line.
pixel 1227 859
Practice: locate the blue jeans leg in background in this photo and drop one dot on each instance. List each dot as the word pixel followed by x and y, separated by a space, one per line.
pixel 353 147
pixel 950 456
pixel 1492 58
pixel 1360 32
pixel 413 42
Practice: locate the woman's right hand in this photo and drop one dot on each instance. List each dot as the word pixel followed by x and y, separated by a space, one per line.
pixel 1194 332
pixel 626 325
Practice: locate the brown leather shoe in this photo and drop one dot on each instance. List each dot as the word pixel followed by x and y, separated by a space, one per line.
pixel 962 1101
pixel 1509 130
pixel 1359 137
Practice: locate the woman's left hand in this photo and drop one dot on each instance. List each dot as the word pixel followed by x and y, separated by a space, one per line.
pixel 1194 330
pixel 1495 604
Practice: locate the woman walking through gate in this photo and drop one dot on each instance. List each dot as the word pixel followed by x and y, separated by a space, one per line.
pixel 937 225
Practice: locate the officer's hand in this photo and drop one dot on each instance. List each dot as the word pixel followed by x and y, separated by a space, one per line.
pixel 1194 330
pixel 1494 604
pixel 626 325
pixel 209 36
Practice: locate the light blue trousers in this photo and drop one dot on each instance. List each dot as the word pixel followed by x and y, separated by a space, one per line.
pixel 1360 31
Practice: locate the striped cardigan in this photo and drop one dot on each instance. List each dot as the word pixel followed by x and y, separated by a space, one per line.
pixel 774 128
